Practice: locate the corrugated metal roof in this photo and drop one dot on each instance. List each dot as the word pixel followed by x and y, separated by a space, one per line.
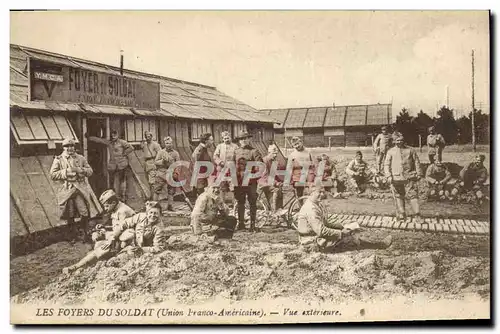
pixel 295 118
pixel 315 117
pixel 177 98
pixel 378 114
pixel 335 116
pixel 356 115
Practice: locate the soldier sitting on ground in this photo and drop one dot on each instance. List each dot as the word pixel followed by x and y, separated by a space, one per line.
pixel 473 177
pixel 330 177
pixel 149 236
pixel 210 215
pixel 116 211
pixel 438 177
pixel 359 173
pixel 314 232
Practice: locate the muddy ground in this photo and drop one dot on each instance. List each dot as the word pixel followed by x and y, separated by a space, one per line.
pixel 268 264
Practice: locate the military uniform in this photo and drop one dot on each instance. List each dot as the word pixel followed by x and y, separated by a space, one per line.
pixel 242 155
pixel 201 154
pixel 299 159
pixel 272 190
pixel 437 177
pixel 149 152
pixel 435 143
pixel 474 177
pixel 163 160
pixel 403 166
pixel 151 238
pixel 224 153
pixel 210 216
pixel 381 145
pixel 358 174
pixel 118 164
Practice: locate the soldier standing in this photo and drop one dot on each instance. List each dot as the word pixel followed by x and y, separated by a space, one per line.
pixel 150 149
pixel 402 168
pixel 224 152
pixel 70 171
pixel 272 190
pixel 242 155
pixel 299 158
pixel 436 144
pixel 163 160
pixel 118 164
pixel 201 154
pixel 380 146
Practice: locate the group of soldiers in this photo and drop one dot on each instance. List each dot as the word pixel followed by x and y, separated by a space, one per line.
pixel 123 229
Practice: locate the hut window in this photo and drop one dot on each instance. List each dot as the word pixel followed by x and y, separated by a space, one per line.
pixel 199 128
pixel 32 129
pixel 134 129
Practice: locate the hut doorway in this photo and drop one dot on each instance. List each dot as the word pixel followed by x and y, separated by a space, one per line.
pixel 97 155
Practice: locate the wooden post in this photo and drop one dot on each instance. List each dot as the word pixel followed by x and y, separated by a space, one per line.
pixel 473 108
pixel 111 183
pixel 420 142
pixel 85 140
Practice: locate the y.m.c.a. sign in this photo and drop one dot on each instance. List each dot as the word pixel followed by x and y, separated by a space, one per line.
pixel 55 82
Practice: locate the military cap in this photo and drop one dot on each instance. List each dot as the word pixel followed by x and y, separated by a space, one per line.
pixel 68 142
pixel 243 135
pixel 168 140
pixel 106 195
pixel 272 149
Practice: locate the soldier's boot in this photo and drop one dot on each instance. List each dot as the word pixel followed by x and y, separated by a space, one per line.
pixel 415 207
pixel 241 216
pixel 368 244
pixel 170 202
pixel 400 208
pixel 253 218
pixel 85 230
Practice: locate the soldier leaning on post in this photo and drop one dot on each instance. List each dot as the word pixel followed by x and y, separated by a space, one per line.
pixel 210 215
pixel 165 157
pixel 381 145
pixel 70 171
pixel 224 152
pixel 272 190
pixel 314 232
pixel 201 154
pixel 436 144
pixel 118 164
pixel 438 177
pixel 242 155
pixel 150 149
pixel 402 168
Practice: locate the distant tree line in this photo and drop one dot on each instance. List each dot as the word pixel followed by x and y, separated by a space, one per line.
pixel 454 131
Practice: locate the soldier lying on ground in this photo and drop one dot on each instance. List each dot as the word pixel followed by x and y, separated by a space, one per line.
pixel 313 232
pixel 149 236
pixel 438 179
pixel 210 215
pixel 474 177
pixel 359 173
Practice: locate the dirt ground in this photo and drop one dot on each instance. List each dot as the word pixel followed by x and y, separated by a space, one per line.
pixel 268 264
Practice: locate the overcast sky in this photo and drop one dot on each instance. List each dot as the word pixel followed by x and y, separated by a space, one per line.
pixel 285 59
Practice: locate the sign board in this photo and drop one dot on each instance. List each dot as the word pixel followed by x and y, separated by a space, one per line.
pixel 62 83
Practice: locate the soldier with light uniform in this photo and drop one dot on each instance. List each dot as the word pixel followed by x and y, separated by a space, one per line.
pixel 272 190
pixel 358 172
pixel 201 154
pixel 224 152
pixel 243 154
pixel 150 149
pixel 316 232
pixel 70 171
pixel 381 145
pixel 402 169
pixel 436 144
pixel 437 177
pixel 165 157
pixel 210 215
pixel 330 178
pixel 299 158
pixel 118 164
pixel 117 211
